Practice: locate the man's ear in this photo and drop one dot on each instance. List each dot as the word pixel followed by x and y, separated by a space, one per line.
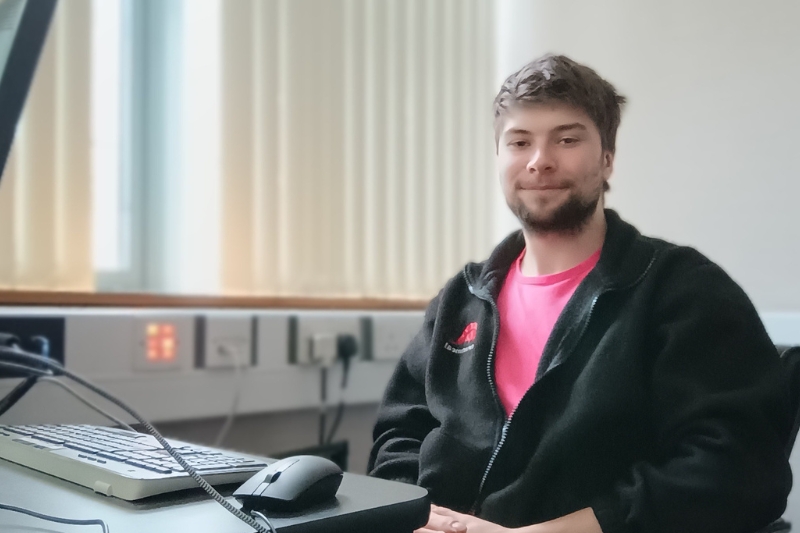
pixel 608 164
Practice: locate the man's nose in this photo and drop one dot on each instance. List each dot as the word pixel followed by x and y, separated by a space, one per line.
pixel 541 161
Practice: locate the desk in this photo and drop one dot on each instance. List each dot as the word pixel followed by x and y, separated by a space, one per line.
pixel 363 504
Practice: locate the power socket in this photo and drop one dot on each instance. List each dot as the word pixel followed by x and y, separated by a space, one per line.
pixel 323 349
pixel 392 332
pixel 316 332
pixel 228 340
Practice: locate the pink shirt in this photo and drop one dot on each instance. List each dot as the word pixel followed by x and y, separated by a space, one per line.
pixel 529 307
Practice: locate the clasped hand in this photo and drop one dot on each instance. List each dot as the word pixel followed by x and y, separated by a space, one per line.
pixel 443 520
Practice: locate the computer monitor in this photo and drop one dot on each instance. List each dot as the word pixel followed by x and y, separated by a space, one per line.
pixel 23 29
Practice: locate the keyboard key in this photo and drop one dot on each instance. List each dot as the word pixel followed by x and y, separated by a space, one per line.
pixel 113 456
pixel 141 447
pixel 19 431
pixel 205 468
pixel 79 447
pixel 157 454
pixel 147 466
pixel 243 467
pixel 48 438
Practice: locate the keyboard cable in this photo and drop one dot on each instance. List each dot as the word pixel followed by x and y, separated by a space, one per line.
pixel 59 520
pixel 15 355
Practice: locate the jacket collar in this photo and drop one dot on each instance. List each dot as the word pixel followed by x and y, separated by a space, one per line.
pixel 625 257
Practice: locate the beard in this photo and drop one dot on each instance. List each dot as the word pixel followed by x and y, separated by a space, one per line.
pixel 568 218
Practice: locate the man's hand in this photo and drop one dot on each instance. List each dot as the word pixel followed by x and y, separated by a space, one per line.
pixel 443 520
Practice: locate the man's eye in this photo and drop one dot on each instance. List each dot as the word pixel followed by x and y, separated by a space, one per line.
pixel 518 144
pixel 569 140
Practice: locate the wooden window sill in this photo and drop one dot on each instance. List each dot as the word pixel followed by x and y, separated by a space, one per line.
pixel 91 299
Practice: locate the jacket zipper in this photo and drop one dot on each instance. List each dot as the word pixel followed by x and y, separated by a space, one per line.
pixel 507 423
pixel 504 429
pixel 490 361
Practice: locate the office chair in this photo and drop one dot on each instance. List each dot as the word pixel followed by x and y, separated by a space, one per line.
pixel 790 356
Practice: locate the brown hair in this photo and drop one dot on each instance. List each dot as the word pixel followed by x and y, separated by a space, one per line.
pixel 556 78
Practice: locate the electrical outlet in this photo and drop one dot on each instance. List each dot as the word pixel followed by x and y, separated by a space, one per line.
pixel 322 326
pixel 392 332
pixel 323 349
pixel 228 340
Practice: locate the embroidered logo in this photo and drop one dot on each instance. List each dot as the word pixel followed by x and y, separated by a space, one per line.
pixel 466 341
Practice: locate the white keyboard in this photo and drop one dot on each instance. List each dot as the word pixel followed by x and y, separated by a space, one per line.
pixel 119 463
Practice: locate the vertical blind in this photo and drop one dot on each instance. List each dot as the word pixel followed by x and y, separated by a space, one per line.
pixel 355 150
pixel 356 145
pixel 45 191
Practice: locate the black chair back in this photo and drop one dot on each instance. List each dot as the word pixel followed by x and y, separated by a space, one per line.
pixel 790 355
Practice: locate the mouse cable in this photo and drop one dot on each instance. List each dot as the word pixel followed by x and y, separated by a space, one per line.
pixel 45 376
pixel 59 520
pixel 18 355
pixel 239 375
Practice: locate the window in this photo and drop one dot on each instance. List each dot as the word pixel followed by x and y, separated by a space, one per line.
pixel 303 147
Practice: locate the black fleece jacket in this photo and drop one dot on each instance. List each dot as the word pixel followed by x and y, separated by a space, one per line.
pixel 660 401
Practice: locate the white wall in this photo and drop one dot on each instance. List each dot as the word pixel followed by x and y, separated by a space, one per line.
pixel 709 149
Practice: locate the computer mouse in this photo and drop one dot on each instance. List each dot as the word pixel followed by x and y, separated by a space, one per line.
pixel 290 485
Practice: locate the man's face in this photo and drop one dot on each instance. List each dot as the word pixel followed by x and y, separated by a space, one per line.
pixel 552 166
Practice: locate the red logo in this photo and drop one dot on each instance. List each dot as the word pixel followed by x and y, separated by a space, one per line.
pixel 468 335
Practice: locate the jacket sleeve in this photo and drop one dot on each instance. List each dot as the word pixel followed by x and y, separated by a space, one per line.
pixel 721 413
pixel 403 418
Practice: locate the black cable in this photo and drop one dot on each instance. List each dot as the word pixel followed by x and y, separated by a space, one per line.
pixel 323 407
pixel 38 372
pixel 336 421
pixel 10 399
pixel 16 394
pixel 8 339
pixel 88 403
pixel 46 376
pixel 25 357
pixel 68 521
pixel 345 355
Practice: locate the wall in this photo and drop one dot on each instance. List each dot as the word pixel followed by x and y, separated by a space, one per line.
pixel 707 152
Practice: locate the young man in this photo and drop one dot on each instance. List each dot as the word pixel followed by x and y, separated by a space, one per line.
pixel 585 378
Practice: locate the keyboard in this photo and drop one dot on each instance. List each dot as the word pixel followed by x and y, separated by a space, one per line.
pixel 117 462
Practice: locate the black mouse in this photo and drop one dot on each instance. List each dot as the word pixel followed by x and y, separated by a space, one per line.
pixel 291 485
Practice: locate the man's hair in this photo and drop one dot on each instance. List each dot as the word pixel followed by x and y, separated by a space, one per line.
pixel 556 78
